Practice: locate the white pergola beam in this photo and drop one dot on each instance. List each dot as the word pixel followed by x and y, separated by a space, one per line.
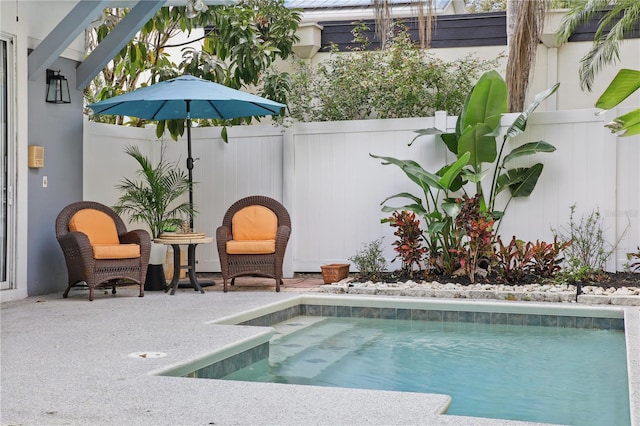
pixel 62 35
pixel 115 41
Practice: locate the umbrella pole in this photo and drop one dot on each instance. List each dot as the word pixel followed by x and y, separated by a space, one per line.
pixel 189 163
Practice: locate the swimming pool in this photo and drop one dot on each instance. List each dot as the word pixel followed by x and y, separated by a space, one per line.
pixel 489 370
pixel 427 311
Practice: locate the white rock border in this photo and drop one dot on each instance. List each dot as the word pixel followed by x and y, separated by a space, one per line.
pixel 559 293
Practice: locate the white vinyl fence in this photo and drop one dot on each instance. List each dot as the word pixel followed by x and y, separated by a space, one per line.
pixel 323 174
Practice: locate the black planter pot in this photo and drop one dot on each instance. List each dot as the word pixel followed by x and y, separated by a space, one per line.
pixel 155 280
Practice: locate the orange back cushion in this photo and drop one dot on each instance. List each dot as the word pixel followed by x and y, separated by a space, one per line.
pixel 254 223
pixel 96 225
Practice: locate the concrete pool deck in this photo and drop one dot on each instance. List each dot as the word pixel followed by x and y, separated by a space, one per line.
pixel 67 361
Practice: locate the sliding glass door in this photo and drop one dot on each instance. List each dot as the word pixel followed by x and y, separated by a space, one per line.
pixel 7 155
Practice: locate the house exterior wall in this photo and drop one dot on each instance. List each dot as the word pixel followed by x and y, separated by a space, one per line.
pixel 484 36
pixel 58 128
pixel 38 268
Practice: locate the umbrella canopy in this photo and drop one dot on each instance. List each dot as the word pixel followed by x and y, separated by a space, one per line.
pixel 167 100
pixel 187 97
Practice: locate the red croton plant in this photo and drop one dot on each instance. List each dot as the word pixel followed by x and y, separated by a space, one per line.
pixel 409 242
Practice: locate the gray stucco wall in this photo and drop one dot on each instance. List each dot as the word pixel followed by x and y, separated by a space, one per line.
pixel 58 128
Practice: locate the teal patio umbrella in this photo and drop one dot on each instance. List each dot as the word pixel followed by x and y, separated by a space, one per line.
pixel 187 97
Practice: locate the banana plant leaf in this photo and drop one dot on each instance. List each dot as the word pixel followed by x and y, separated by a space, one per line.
pixel 475 140
pixel 521 182
pixel 621 87
pixel 486 103
pixel 413 170
pixel 451 208
pixel 520 123
pixel 449 139
pixel 627 124
pixel 451 173
pixel 528 149
pixel 417 200
pixel 415 208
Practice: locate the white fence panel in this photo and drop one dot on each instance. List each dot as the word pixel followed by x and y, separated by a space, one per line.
pixel 338 187
pixel 105 164
pixel 583 171
pixel 250 163
pixel 323 174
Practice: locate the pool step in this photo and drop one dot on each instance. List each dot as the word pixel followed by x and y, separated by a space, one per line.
pixel 294 325
pixel 330 345
pixel 284 345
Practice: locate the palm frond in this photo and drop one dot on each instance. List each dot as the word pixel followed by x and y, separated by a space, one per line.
pixel 618 19
pixel 154 198
pixel 595 60
pixel 582 12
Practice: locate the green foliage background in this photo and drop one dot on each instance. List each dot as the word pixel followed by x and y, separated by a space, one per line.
pixel 398 82
pixel 242 41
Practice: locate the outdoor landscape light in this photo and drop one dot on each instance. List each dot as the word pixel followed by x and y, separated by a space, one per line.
pixel 57 88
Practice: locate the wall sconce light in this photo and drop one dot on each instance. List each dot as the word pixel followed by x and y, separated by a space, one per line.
pixel 57 88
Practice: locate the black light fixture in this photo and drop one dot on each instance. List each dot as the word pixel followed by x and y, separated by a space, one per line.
pixel 57 88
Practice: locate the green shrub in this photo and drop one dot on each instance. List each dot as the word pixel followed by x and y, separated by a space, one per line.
pixel 589 252
pixel 370 261
pixel 398 82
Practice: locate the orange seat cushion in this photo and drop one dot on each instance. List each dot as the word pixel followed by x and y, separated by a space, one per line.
pixel 96 225
pixel 254 223
pixel 251 247
pixel 116 251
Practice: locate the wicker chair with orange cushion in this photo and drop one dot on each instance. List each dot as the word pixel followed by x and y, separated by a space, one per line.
pixel 253 238
pixel 97 248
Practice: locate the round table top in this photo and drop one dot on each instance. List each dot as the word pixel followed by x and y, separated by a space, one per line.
pixel 183 240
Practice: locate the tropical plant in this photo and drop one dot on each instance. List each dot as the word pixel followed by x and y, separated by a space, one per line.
pixel 478 127
pixel 513 259
pixel 436 207
pixel 474 144
pixel 623 85
pixel 408 246
pixel 546 260
pixel 616 19
pixel 154 198
pixel 539 259
pixel 476 229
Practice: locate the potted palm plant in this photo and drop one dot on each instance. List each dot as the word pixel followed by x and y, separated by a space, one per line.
pixel 156 199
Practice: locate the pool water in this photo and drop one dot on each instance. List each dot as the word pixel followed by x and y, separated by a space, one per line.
pixel 545 374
